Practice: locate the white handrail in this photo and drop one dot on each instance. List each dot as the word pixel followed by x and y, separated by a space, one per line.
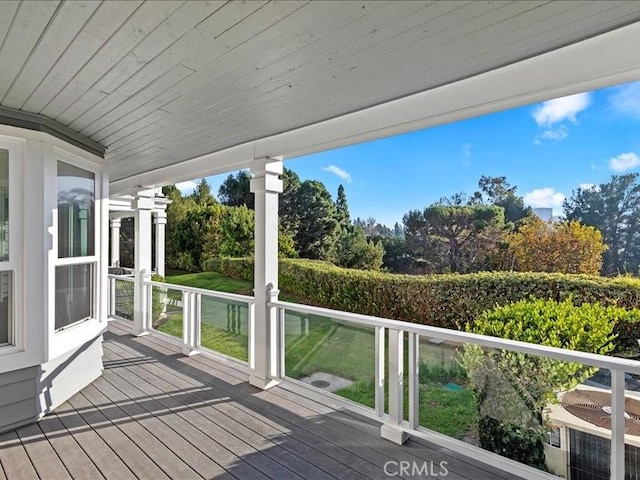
pixel 124 278
pixel 202 291
pixel 585 358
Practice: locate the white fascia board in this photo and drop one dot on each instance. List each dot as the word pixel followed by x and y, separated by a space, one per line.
pixel 597 62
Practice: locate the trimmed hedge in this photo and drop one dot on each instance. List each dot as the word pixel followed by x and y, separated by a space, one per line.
pixel 449 300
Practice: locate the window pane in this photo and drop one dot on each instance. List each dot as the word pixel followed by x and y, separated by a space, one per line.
pixel 4 205
pixel 6 310
pixel 74 294
pixel 76 212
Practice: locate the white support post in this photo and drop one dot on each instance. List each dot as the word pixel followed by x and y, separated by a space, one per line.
pixel 617 424
pixel 414 380
pixel 112 297
pixel 380 374
pixel 115 223
pixel 142 260
pixel 392 429
pixel 161 222
pixel 250 334
pixel 191 307
pixel 266 185
pixel 281 342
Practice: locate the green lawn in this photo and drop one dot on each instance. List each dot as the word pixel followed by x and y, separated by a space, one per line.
pixel 210 281
pixel 320 344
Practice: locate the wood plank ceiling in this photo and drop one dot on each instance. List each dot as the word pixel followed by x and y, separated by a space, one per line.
pixel 159 82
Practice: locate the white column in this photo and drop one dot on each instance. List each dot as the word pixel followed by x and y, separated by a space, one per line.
pixel 266 185
pixel 143 204
pixel 115 241
pixel 161 221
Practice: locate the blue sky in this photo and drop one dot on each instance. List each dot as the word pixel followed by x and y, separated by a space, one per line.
pixel 546 150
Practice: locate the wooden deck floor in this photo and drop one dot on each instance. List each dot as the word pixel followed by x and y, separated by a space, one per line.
pixel 155 414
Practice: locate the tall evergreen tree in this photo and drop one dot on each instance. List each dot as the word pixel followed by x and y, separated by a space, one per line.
pixel 342 209
pixel 614 209
pixel 318 227
pixel 287 205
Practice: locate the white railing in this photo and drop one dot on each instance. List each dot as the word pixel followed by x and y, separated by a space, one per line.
pixel 388 343
pixel 198 307
pixel 394 331
pixel 121 293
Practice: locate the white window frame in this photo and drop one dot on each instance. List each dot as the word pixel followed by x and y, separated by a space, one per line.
pixel 17 328
pixel 94 260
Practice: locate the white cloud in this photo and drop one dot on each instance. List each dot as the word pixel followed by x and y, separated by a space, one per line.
pixel 545 197
pixel 343 174
pixel 186 187
pixel 624 161
pixel 557 134
pixel 626 100
pixel 561 109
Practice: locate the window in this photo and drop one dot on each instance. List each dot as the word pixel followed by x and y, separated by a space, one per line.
pixel 6 277
pixel 75 272
pixel 76 213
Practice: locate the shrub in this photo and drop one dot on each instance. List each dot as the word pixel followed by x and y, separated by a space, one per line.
pixel 449 300
pixel 512 389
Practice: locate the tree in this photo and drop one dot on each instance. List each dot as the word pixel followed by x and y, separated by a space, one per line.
pixel 501 193
pixel 317 225
pixel 172 193
pixel 342 209
pixel 202 193
pixel 235 191
pixel 398 231
pixel 354 250
pixel 614 209
pixel 567 247
pixel 467 235
pixel 372 228
pixel 287 205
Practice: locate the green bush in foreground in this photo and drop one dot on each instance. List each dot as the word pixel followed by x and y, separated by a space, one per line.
pixel 512 389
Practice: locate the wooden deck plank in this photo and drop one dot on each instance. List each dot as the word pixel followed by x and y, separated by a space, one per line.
pixel 254 430
pixel 2 475
pixel 127 437
pixel 236 420
pixel 129 451
pixel 373 449
pixel 100 452
pixel 208 445
pixel 281 464
pixel 172 439
pixel 43 457
pixel 78 463
pixel 15 461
